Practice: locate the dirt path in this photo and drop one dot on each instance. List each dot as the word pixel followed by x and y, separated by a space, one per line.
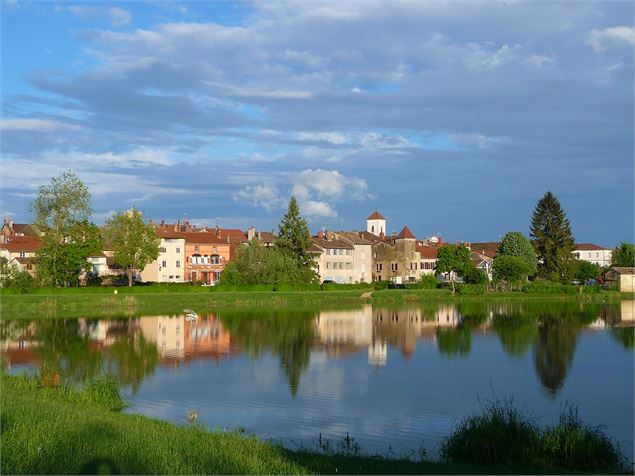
pixel 367 295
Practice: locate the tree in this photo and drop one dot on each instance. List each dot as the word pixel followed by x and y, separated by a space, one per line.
pixel 257 264
pixel 623 255
pixel 63 264
pixel 294 238
pixel 514 243
pixel 62 209
pixel 585 270
pixel 454 260
pixel 476 276
pixel 135 243
pixel 510 269
pixel 553 240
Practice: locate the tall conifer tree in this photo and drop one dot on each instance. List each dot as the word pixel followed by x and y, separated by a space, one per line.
pixel 552 238
pixel 294 239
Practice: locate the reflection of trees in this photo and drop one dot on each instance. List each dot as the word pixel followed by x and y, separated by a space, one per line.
pixel 131 358
pixel 553 352
pixel 516 331
pixel 64 353
pixel 624 335
pixel 454 342
pixel 286 333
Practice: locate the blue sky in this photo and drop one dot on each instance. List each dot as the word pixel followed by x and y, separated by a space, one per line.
pixel 451 117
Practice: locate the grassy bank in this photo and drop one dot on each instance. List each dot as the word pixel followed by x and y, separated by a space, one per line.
pixel 157 300
pixel 55 430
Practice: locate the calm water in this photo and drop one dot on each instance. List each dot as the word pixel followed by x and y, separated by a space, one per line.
pixel 395 379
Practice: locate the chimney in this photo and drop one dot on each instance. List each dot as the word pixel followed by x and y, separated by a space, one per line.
pixel 321 234
pixel 259 234
pixel 217 232
pixel 251 233
pixel 11 223
pixel 177 226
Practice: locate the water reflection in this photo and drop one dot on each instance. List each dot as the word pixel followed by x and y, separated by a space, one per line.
pixel 73 350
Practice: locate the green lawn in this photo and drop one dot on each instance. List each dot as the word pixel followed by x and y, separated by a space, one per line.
pixel 48 431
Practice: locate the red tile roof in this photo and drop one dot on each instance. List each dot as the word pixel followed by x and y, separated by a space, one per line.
pixel 405 233
pixel 589 247
pixel 204 237
pixel 26 244
pixel 322 243
pixel 375 216
pixel 427 252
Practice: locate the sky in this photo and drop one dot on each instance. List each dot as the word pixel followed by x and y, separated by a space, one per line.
pixel 451 117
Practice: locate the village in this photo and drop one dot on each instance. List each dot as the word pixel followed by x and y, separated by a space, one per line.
pixel 199 254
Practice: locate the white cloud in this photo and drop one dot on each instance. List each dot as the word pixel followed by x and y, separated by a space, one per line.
pixel 599 39
pixel 266 196
pixel 336 138
pixel 328 183
pixel 316 209
pixel 117 16
pixel 34 125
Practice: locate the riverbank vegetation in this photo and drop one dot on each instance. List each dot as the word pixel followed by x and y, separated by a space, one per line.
pixel 49 429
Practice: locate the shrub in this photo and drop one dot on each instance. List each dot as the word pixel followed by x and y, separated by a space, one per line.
pixel 103 392
pixel 427 281
pixel 476 276
pixel 379 285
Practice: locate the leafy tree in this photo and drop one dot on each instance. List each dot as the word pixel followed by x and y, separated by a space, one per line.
pixel 135 243
pixel 623 255
pixel 62 209
pixel 294 239
pixel 553 240
pixel 510 269
pixel 62 264
pixel 476 276
pixel 455 260
pixel 12 277
pixel 584 270
pixel 514 243
pixel 257 264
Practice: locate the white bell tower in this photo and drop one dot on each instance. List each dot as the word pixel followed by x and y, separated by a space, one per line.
pixel 376 224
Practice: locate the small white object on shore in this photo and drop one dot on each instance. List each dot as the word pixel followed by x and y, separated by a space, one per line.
pixel 115 291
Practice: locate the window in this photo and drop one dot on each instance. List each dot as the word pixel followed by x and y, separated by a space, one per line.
pixel 394 266
pixel 178 250
pixel 379 266
pixel 162 249
pixel 164 264
pixel 363 255
pixel 328 265
pixel 349 265
pixel 22 254
pixel 215 259
pixel 372 228
pixel 178 263
pixel 349 252
pixel 196 248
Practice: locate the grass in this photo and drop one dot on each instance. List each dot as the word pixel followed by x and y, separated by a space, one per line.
pixel 503 435
pixel 171 299
pixel 57 430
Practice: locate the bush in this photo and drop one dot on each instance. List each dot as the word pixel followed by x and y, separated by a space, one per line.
pixel 103 392
pixel 471 289
pixel 476 276
pixel 503 435
pixel 379 285
pixel 427 281
pixel 541 286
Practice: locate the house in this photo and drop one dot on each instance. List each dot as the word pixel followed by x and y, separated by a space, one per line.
pixel 20 251
pixel 593 254
pixel 484 262
pixel 266 238
pixel 359 262
pixel 11 229
pixel 396 258
pixel 206 255
pixel 486 248
pixel 623 276
pixel 428 257
pixel 334 258
pixel 169 267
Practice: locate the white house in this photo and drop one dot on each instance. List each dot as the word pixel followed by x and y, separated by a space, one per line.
pixel 593 254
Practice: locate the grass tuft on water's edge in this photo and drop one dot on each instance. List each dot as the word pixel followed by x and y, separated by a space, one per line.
pixel 501 434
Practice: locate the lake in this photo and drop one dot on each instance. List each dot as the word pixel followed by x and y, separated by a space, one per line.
pixel 394 379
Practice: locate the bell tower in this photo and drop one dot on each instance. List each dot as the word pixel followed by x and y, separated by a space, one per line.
pixel 376 224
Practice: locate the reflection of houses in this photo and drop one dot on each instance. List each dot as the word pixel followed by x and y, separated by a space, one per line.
pixel 178 339
pixel 344 332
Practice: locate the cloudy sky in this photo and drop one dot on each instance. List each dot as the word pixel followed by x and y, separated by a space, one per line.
pixel 450 117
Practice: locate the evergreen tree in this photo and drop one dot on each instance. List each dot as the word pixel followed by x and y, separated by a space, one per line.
pixel 294 238
pixel 553 241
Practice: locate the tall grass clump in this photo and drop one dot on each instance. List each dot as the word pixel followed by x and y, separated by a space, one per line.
pixel 103 392
pixel 574 445
pixel 502 435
